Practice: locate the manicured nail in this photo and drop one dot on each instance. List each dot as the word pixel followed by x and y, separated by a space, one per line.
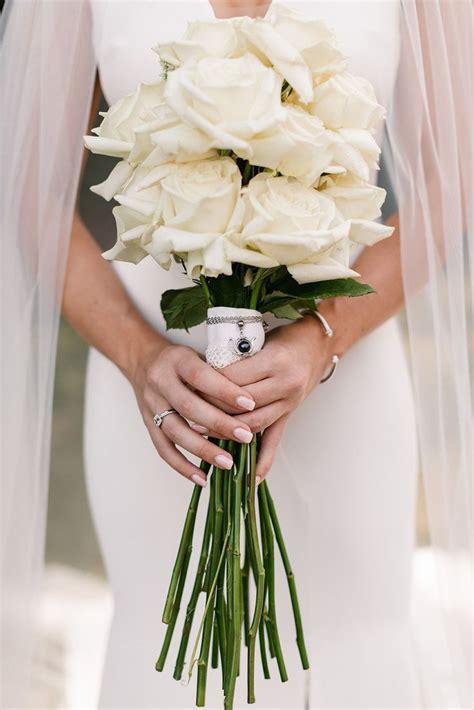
pixel 200 481
pixel 223 461
pixel 258 480
pixel 243 435
pixel 246 403
pixel 197 427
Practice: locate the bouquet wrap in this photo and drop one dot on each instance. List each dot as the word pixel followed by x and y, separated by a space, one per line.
pixel 233 334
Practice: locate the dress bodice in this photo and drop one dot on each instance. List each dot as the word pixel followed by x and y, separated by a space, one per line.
pixel 125 32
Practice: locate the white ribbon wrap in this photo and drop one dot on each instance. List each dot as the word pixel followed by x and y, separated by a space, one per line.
pixel 223 337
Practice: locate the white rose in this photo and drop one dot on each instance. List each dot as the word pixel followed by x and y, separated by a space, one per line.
pixel 116 134
pixel 211 38
pixel 303 51
pixel 133 234
pixel 144 193
pixel 314 39
pixel 229 100
pixel 298 147
pixel 294 226
pixel 169 138
pixel 138 215
pixel 346 101
pixel 356 150
pixel 200 205
pixel 116 180
pixel 360 203
pixel 354 199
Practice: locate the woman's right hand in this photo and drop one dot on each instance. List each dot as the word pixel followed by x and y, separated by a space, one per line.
pixel 174 377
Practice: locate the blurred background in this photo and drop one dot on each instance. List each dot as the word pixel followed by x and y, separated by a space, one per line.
pixel 77 603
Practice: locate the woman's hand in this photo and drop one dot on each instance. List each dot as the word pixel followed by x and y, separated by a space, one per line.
pixel 175 377
pixel 279 378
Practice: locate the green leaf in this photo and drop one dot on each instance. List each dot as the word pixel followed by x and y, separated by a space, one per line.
pixel 288 312
pixel 276 300
pixel 184 307
pixel 229 290
pixel 283 306
pixel 286 284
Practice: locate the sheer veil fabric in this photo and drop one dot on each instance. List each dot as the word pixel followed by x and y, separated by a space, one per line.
pixel 47 74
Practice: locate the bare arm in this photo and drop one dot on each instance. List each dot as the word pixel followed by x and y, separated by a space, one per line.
pixel 163 375
pixel 380 266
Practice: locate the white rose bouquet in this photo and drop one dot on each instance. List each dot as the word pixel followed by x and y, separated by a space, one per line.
pixel 247 163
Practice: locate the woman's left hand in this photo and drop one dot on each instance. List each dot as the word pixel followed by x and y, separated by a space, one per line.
pixel 279 378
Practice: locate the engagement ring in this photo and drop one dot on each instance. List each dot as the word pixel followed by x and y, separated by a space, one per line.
pixel 158 418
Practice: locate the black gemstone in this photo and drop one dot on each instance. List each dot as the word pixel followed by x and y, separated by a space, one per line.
pixel 244 346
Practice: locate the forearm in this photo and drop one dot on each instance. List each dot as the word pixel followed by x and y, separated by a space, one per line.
pixel 379 266
pixel 99 308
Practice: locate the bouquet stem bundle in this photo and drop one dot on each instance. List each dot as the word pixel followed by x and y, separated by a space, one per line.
pixel 238 545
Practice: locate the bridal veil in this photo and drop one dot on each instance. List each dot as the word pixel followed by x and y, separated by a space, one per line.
pixel 46 78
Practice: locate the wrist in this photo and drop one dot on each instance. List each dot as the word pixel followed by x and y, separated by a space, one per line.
pixel 142 345
pixel 334 310
pixel 317 339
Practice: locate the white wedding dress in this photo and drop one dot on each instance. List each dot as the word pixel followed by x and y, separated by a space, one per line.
pixel 344 480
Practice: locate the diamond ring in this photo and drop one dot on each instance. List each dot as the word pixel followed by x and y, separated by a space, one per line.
pixel 158 418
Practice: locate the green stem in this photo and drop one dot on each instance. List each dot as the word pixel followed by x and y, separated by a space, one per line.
pixel 175 611
pixel 236 618
pixel 186 540
pixel 263 621
pixel 229 588
pixel 255 295
pixel 205 288
pixel 215 645
pixel 191 608
pixel 290 578
pixel 216 497
pixel 207 608
pixel 271 646
pixel 245 594
pixel 260 594
pixel 263 651
pixel 221 613
pixel 270 570
pixel 247 173
pixel 221 607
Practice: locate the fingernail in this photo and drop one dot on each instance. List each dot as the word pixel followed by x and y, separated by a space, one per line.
pixel 200 429
pixel 200 481
pixel 246 403
pixel 258 480
pixel 243 435
pixel 223 461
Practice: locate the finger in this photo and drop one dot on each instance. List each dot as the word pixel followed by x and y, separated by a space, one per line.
pixel 249 370
pixel 178 431
pixel 268 447
pixel 265 416
pixel 220 404
pixel 191 406
pixel 175 458
pixel 269 390
pixel 266 391
pixel 205 379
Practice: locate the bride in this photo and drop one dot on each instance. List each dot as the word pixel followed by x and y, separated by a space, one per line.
pixel 343 456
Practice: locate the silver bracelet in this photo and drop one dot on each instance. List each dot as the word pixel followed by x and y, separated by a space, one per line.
pixel 334 361
pixel 328 332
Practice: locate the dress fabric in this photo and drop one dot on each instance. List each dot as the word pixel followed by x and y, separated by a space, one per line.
pixel 345 476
